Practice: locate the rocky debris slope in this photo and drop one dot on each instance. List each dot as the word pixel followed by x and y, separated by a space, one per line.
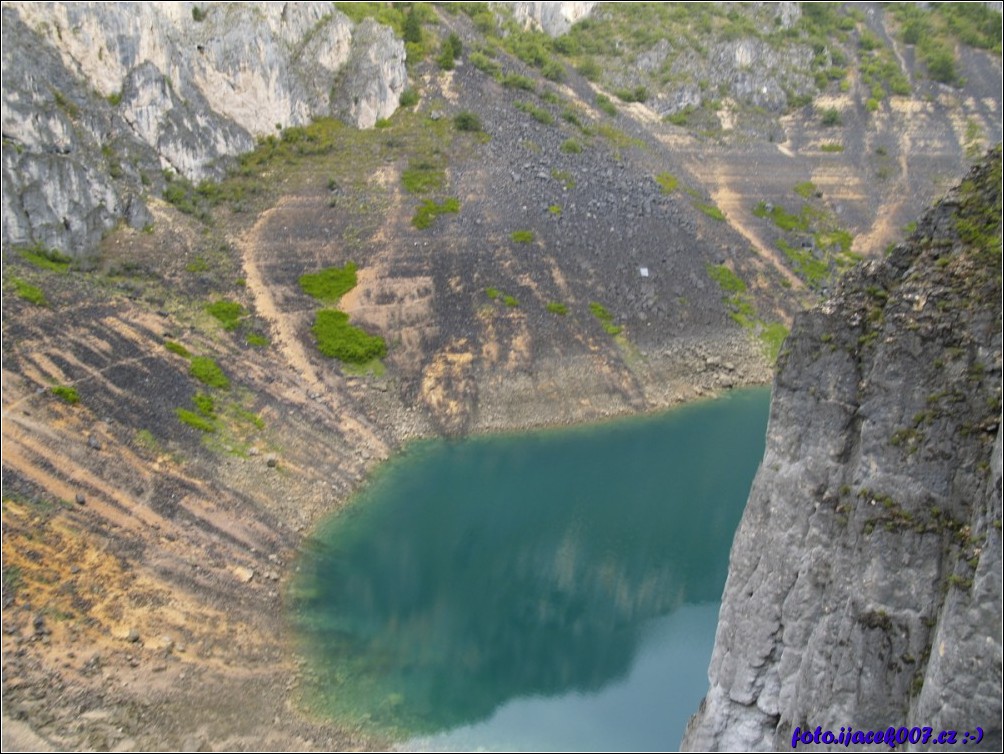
pixel 864 585
pixel 99 99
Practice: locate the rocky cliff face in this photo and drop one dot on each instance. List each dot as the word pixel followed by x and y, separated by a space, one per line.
pixel 864 585
pixel 553 19
pixel 99 98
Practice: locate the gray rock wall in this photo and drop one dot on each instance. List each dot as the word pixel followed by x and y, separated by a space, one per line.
pixel 864 583
pixel 99 98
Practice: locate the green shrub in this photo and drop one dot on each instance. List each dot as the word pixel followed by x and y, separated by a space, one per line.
pixel 831 147
pixel 603 103
pixel 467 121
pixel 46 259
pixel 408 98
pixel 555 209
pixel 423 176
pixel 445 59
pixel 571 146
pixel 556 307
pixel 638 94
pixel 429 210
pixel 485 64
pixel 515 81
pixel 177 348
pixel 510 301
pixel 257 340
pixel 492 293
pixel 668 181
pixel 229 313
pixel 830 117
pixel 195 420
pixel 331 283
pixel 207 371
pixel 711 211
pixel 66 393
pixel 455 44
pixel 198 15
pixel 538 113
pixel 589 69
pixel 205 404
pixel 727 280
pixel 522 236
pixel 337 339
pixel 806 189
pixel 30 293
pixel 605 317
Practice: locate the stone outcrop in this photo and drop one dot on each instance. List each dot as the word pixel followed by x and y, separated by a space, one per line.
pixel 100 98
pixel 864 583
pixel 554 19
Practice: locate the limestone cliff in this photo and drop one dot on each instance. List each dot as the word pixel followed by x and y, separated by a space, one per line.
pixel 99 98
pixel 864 584
pixel 553 19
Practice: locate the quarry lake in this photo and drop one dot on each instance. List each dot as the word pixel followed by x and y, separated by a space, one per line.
pixel 548 590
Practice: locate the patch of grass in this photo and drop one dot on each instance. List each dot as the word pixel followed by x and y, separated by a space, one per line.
pixel 515 81
pixel 522 236
pixel 257 340
pixel 66 393
pixel 813 271
pixel 539 114
pixel 205 404
pixel 556 307
pixel 485 64
pixel 337 339
pixel 492 293
pixel 467 121
pixel 429 210
pixel 772 335
pixel 605 317
pixel 30 293
pixel 806 189
pixel 638 94
pixel 197 421
pixel 783 219
pixel 831 146
pixel 510 301
pixel 571 146
pixel 618 138
pixel 603 103
pixel 177 348
pixel 409 97
pixel 207 371
pixel 45 258
pixel 711 211
pixel 228 313
pixel 555 209
pixel 668 182
pixel 424 176
pixel 830 117
pixel 331 283
pixel 199 264
pixel 564 177
pixel 727 280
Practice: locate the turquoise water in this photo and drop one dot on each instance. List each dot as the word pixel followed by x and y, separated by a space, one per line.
pixel 553 590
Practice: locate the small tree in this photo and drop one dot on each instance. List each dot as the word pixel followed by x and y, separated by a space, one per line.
pixel 467 121
pixel 831 117
pixel 412 27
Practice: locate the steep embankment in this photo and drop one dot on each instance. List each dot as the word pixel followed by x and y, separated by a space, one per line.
pixel 865 580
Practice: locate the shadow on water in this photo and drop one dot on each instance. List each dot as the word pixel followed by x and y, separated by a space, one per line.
pixel 470 577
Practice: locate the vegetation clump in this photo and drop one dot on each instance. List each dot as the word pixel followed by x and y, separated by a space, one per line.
pixel 337 339
pixel 30 293
pixel 227 313
pixel 66 393
pixel 45 258
pixel 605 317
pixel 176 348
pixel 207 371
pixel 467 121
pixel 668 182
pixel 195 420
pixel 429 210
pixel 522 236
pixel 331 283
pixel 556 307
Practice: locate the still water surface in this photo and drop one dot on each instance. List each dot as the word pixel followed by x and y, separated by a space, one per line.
pixel 553 590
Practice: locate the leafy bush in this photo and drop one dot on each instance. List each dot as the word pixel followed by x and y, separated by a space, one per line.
pixel 556 307
pixel 538 113
pixel 485 64
pixel 492 293
pixel 409 97
pixel 571 146
pixel 257 340
pixel 337 339
pixel 638 94
pixel 515 81
pixel 467 121
pixel 66 393
pixel 229 313
pixel 605 317
pixel 668 182
pixel 331 283
pixel 207 371
pixel 177 348
pixel 832 147
pixel 711 211
pixel 195 420
pixel 806 189
pixel 455 44
pixel 446 58
pixel 830 117
pixel 31 293
pixel 522 236
pixel 510 301
pixel 603 103
pixel 205 404
pixel 429 210
pixel 423 176
pixel 727 280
